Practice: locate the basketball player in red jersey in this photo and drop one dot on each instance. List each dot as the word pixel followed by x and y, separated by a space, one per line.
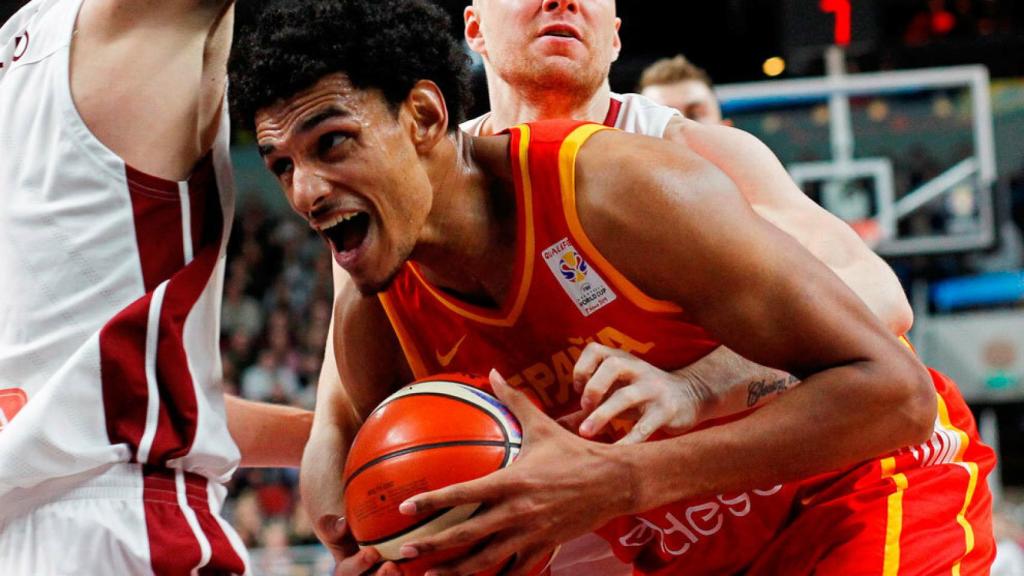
pixel 515 252
pixel 550 59
pixel 115 436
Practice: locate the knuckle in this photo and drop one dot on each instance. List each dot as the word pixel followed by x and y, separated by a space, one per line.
pixel 630 394
pixel 458 493
pixel 465 536
pixel 521 508
pixel 616 363
pixel 426 546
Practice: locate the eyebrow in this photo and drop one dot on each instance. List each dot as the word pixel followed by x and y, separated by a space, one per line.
pixel 309 124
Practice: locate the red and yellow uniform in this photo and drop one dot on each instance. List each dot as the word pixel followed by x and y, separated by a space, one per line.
pixel 921 507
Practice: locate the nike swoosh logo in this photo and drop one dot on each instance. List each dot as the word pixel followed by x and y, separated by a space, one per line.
pixel 445 359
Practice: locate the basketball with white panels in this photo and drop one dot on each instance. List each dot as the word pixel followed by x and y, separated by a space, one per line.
pixel 439 431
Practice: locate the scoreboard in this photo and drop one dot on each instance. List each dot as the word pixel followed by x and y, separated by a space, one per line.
pixel 820 23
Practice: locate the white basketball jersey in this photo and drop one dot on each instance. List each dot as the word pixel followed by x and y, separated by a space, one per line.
pixel 110 287
pixel 627 112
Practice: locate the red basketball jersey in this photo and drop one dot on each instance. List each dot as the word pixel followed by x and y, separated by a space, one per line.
pixel 566 294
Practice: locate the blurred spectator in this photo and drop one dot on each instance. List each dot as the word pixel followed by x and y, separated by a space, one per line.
pixel 1009 537
pixel 678 83
pixel 241 312
pixel 301 528
pixel 276 557
pixel 247 518
pixel 277 309
pixel 270 380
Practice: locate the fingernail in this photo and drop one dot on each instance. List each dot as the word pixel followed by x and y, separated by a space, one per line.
pixel 496 376
pixel 408 507
pixel 587 428
pixel 340 524
pixel 408 551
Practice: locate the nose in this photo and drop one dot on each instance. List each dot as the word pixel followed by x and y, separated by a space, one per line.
pixel 309 190
pixel 561 6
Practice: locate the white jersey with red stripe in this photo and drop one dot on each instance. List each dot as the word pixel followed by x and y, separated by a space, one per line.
pixel 110 290
pixel 627 112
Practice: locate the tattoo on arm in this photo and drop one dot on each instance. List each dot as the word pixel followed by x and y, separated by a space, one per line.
pixel 758 389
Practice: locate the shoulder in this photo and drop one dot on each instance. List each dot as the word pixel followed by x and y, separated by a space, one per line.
pixel 643 191
pixel 707 139
pixel 369 357
pixel 640 115
pixel 357 314
pixel 643 103
pixel 615 166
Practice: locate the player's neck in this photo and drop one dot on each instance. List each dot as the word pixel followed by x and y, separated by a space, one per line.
pixel 469 244
pixel 510 107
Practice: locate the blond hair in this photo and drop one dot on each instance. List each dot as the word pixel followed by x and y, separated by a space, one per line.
pixel 672 70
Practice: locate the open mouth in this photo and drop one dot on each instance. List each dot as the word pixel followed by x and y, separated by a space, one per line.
pixel 560 31
pixel 346 232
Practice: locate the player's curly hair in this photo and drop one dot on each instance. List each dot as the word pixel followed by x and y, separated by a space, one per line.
pixel 384 44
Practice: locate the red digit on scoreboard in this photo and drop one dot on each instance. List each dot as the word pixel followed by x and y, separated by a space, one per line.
pixel 841 8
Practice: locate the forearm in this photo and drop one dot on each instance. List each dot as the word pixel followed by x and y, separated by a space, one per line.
pixel 759 451
pixel 836 245
pixel 876 284
pixel 321 483
pixel 268 435
pixel 768 188
pixel 727 383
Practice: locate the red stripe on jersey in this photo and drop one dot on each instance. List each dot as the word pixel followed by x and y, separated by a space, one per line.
pixel 123 373
pixel 176 426
pixel 156 207
pixel 614 107
pixel 173 548
pixel 224 559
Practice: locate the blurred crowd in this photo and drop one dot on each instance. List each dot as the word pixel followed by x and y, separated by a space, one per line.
pixel 277 309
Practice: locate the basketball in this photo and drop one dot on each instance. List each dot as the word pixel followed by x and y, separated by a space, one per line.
pixel 436 432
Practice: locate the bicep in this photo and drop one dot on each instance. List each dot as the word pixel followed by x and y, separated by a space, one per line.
pixel 764 183
pixel 683 233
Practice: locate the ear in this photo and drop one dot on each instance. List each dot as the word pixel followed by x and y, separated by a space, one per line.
pixel 616 41
pixel 474 35
pixel 426 109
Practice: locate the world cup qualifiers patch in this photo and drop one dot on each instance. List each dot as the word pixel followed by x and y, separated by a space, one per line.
pixel 580 281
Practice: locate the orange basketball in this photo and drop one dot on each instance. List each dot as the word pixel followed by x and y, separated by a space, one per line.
pixel 438 431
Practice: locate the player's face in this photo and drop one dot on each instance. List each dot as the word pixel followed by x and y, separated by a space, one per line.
pixel 691 97
pixel 526 42
pixel 347 166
